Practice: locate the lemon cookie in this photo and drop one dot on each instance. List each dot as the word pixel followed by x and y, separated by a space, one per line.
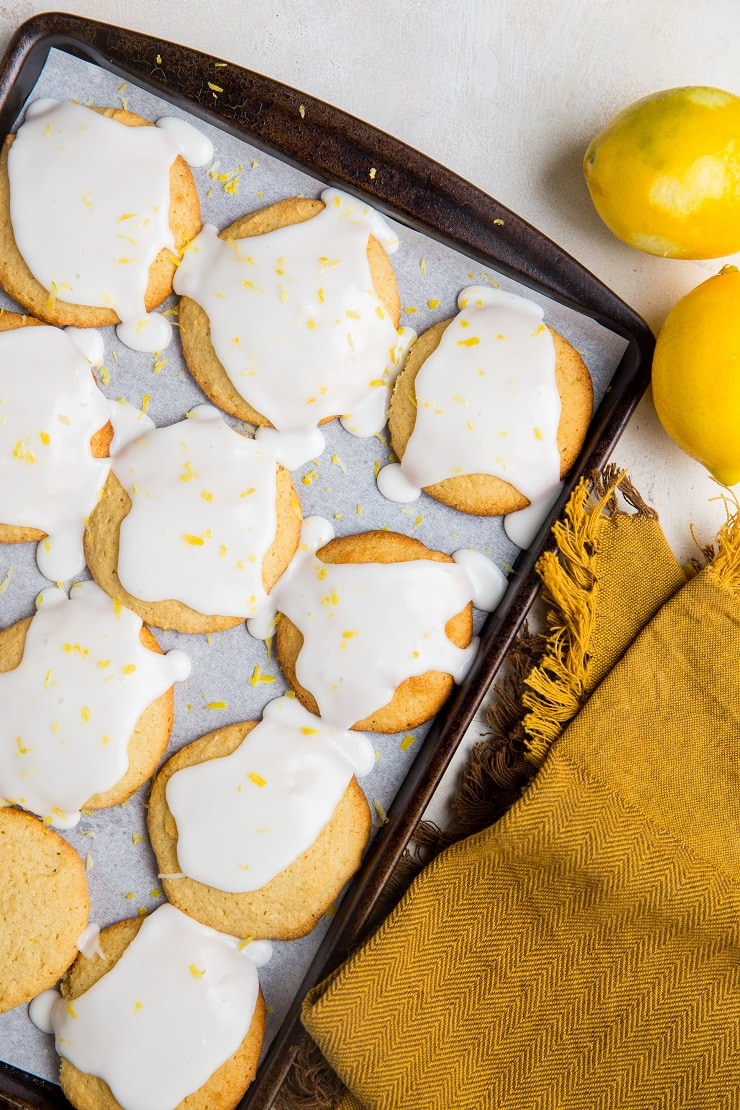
pixel 88 700
pixel 194 526
pixel 125 204
pixel 54 435
pixel 44 906
pixel 171 1011
pixel 490 410
pixel 374 629
pixel 257 826
pixel 288 317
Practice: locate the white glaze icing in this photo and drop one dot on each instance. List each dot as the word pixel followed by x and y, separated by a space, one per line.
pixel 371 415
pixel 369 626
pixel 176 1005
pixel 294 317
pixel 89 206
pixel 245 817
pixel 50 407
pixel 89 942
pixel 486 401
pixel 71 705
pixel 488 581
pixel 522 526
pixel 195 147
pixel 202 517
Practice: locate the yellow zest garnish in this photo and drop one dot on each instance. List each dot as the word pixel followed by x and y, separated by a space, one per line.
pixel 71 648
pixel 309 731
pixel 434 303
pixel 468 342
pixel 128 668
pixel 256 779
pixel 407 741
pixel 71 1011
pixel 117 607
pixel 302 111
pixel 538 433
pixel 380 811
pixel 248 492
pixel 214 88
pixel 48 679
pixel 130 894
pixel 145 399
pixel 243 944
pixel 350 633
pixel 194 541
pixel 257 676
pixel 155 892
pixel 45 438
pixel 312 475
pixel 215 705
pixel 136 838
pixel 23 452
pixel 142 911
pixel 197 972
pixel 372 174
pixel 85 714
pixel 206 495
pixel 21 749
pixel 158 59
pixel 138 1006
pixel 423 266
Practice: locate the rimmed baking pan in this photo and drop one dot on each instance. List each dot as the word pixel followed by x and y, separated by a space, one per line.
pixel 439 208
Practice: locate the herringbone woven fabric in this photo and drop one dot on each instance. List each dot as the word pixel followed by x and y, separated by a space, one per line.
pixel 584 952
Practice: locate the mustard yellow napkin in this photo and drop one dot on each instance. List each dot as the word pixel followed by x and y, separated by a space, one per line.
pixel 582 953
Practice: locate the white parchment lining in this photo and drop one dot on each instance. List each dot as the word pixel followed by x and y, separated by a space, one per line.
pixel 340 485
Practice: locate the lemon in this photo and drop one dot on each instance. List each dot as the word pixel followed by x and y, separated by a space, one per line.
pixel 664 175
pixel 696 375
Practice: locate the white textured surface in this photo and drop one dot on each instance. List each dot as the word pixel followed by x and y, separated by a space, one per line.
pixel 506 93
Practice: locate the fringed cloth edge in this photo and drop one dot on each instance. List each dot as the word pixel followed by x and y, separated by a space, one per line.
pixel 556 687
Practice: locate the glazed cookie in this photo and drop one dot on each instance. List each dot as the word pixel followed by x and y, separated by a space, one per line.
pixel 54 434
pixel 490 393
pixel 198 1011
pixel 288 317
pixel 195 525
pixel 44 907
pixel 95 746
pixel 373 630
pixel 256 827
pixel 129 196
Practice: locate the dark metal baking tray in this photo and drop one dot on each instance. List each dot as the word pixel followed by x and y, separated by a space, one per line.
pixel 425 196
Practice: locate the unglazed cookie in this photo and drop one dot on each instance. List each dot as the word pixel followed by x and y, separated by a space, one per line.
pixel 274 287
pixel 224 1088
pixel 198 494
pixel 112 724
pixel 49 304
pixel 40 437
pixel 487 494
pixel 44 906
pixel 413 613
pixel 289 904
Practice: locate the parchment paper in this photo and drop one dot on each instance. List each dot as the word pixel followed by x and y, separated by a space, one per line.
pixel 340 485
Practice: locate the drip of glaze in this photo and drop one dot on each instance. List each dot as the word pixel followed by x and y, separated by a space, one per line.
pixel 244 818
pixel 195 147
pixel 89 942
pixel 488 583
pixel 523 526
pixel 370 417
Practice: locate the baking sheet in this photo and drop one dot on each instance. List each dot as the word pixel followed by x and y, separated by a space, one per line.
pixel 340 485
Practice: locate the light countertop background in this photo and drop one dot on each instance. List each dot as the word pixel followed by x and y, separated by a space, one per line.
pixel 506 93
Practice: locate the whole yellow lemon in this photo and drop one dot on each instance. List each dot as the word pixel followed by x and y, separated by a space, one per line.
pixel 696 375
pixel 664 175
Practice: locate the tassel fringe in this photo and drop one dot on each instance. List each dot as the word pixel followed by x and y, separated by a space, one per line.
pixel 725 558
pixel 555 688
